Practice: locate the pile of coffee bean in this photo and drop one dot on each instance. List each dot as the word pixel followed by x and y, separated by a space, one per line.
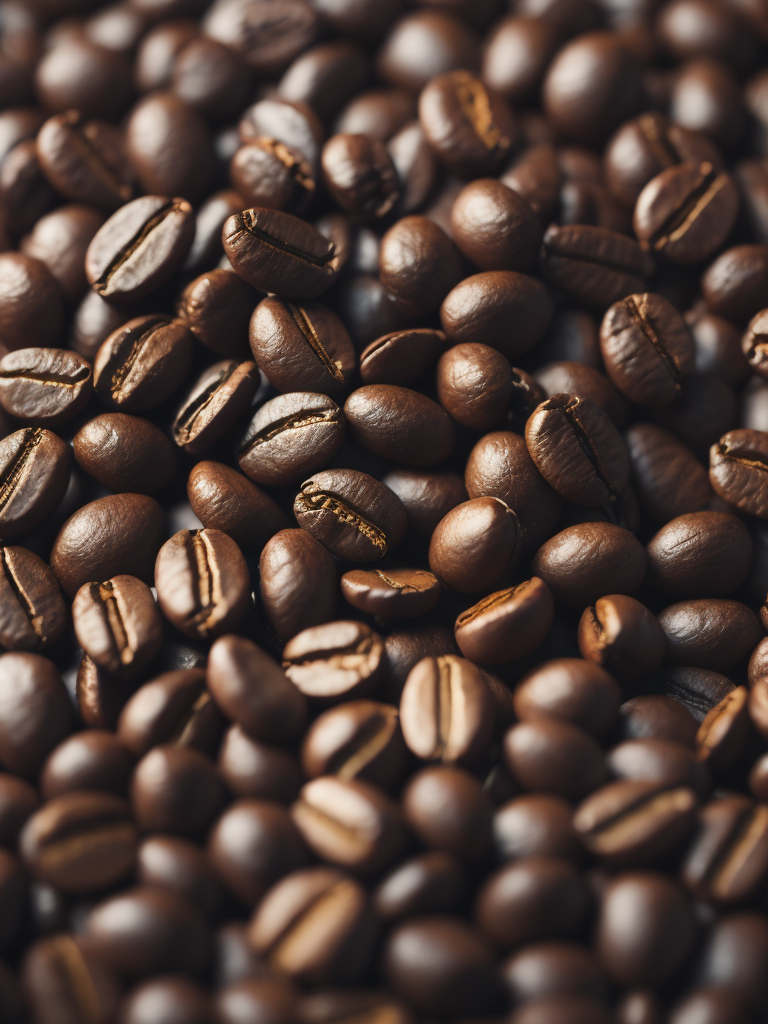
pixel 384 512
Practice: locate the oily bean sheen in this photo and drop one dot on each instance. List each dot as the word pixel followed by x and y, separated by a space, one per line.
pixel 36 711
pixel 577 450
pixel 125 453
pixel 647 348
pixel 702 554
pixel 297 577
pixel 44 385
pixel 391 593
pixel 738 470
pixel 571 690
pixel 222 499
pixel 473 544
pixel 400 424
pixel 33 614
pixel 214 402
pixel 400 357
pixel 279 253
pixel 34 471
pixel 506 625
pixel 290 436
pixel 139 247
pixel 351 514
pixel 334 660
pixel 710 633
pixel 117 624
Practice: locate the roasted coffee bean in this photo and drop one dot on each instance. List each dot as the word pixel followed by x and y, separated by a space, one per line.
pixel 446 711
pixel 351 514
pixel 448 810
pixel 702 554
pixel 474 385
pixel 494 228
pixel 44 385
pixel 254 35
pixel 255 996
pixel 272 710
pixel 570 690
pixel 581 381
pixel 480 308
pixel 179 998
pixel 686 212
pixel 25 192
pixel 400 424
pixel 736 470
pixel 176 789
pixel 635 821
pixel 359 739
pixel 534 824
pixel 754 341
pixel 331 661
pixel 33 615
pixel 359 174
pixel 728 857
pixel 91 759
pixel 593 265
pixel 426 495
pixel 293 124
pixel 577 450
pixel 125 453
pixel 139 247
pixel 657 716
pixel 35 711
pixel 734 284
pixel 64 980
pixel 661 761
pixel 583 563
pixel 213 403
pixel 202 582
pixel 668 477
pixel 696 689
pixel 148 930
pixel 290 436
pixel 92 323
pixel 60 240
pixel 551 970
pixel 112 536
pixel 31 303
pixel 380 113
pixel 554 756
pixel 712 633
pixel 473 544
pixel 279 253
pixel 731 955
pixel 506 625
pixel 718 347
pixel 723 733
pixel 210 79
pixel 647 349
pixel 401 356
pixel 441 965
pixel 418 265
pixel 298 582
pixel 350 823
pixel 406 62
pixel 117 624
pixel 142 363
pixel 34 472
pixel 80 842
pixel 315 926
pixel 429 883
pixel 326 76
pixel 77 73
pixel 391 593
pixel 254 769
pixel 531 899
pixel 222 499
pixel 175 707
pixel 217 307
pixel 621 635
pixel 100 695
pixel 85 160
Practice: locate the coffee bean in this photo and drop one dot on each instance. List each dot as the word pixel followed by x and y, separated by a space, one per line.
pixel 326 76
pixel 550 970
pixel 621 635
pixel 665 762
pixel 506 625
pixel 293 124
pixel 217 307
pixel 117 624
pixel 64 980
pixel 175 707
pixel 175 997
pixel 298 582
pixel 360 739
pixel 736 464
pixel 728 858
pixel 34 472
pixel 723 733
pixel 426 495
pixel 730 957
pixel 391 593
pixel 109 537
pixel 448 810
pixel 142 363
pixel 554 757
pixel 176 789
pixel 574 572
pixel 213 404
pixel 565 377
pixel 657 716
pixel 315 926
pixel 33 614
pixel 400 424
pixel 408 63
pixel 570 690
pixel 473 544
pixel 279 253
pixel 202 582
pixel 401 356
pixel 712 633
pixel 446 711
pixel 254 35
pixel 359 174
pixel 252 768
pixel 577 450
pixel 80 842
pixel 647 349
pixel 351 513
pixel 225 501
pixel 474 385
pixel 100 695
pixel 418 265
pixel 593 265
pixel 35 711
pixel 702 554
pixel 670 480
pixel 139 247
pixel 273 710
pixel 734 284
pixel 533 824
pixel 125 453
pixel 330 662
pixel 92 759
pixel 754 342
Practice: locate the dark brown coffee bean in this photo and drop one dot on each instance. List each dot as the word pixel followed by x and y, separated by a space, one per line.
pixel 34 472
pixel 100 695
pixel 474 385
pixel 315 926
pixel 506 625
pixel 702 554
pixel 139 247
pixel 665 762
pixel 117 624
pixel 711 633
pixel 686 212
pixel 723 733
pixel 446 711
pixel 298 583
pixel 429 883
pixel 143 362
pixel 213 403
pixel 757 705
pixel 270 173
pixel 473 544
pixel 273 710
pixel 279 253
pixel 181 998
pixel 581 381
pixel 584 562
pixel 44 385
pixel 326 77
pixel 657 716
pixel 552 970
pixel 408 63
pixel 621 635
pixel 302 348
pixel 80 842
pixel 222 499
pixel 669 479
pixel 332 661
pixel 647 349
pixel 290 436
pixel 125 453
pixel 217 307
pixel 33 614
pixel 252 33
pixel 734 284
pixel 536 823
pixel 359 739
pixel 494 228
pixel 65 981
pixel 554 756
pixel 359 174
pixel 401 356
pixel 91 759
pixel 400 424
pixel 202 582
pixel 350 823
pixel 35 711
pixel 109 537
pixel 728 857
pixel 427 496
pixel 754 342
pixel 260 770
pixel 737 463
pixel 175 707
pixel 593 265
pixel 418 265
pixel 448 810
pixel 351 513
pixel 570 690
pixel 696 689
pixel 31 303
pixel 391 593
pixel 577 450
pixel 176 789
